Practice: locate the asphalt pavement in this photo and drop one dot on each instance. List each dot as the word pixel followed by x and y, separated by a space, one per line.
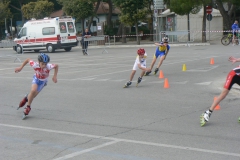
pixel 88 115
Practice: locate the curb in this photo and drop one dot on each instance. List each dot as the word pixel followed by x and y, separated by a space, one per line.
pixel 141 45
pixel 150 45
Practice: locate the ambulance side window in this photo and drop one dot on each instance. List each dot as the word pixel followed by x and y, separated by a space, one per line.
pixel 70 27
pixel 62 26
pixel 22 33
pixel 48 31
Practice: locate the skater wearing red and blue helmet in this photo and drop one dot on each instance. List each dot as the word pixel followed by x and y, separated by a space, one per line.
pixel 42 69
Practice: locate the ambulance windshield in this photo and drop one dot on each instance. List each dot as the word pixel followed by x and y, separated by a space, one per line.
pixel 22 33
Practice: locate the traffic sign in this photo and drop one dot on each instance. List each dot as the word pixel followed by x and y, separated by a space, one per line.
pixel 158 4
pixel 159 7
pixel 209 9
pixel 209 17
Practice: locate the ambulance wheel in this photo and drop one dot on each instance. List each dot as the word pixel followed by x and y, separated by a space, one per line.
pixel 19 49
pixel 68 49
pixel 50 48
pixel 36 50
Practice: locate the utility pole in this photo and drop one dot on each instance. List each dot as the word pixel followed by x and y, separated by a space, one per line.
pixel 6 31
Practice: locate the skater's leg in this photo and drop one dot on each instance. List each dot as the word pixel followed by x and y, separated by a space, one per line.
pixel 131 78
pixel 132 75
pixel 161 61
pixel 33 93
pixel 151 66
pixel 153 62
pixel 223 94
pixel 142 73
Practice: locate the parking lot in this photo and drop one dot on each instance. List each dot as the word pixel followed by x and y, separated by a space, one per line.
pixel 88 114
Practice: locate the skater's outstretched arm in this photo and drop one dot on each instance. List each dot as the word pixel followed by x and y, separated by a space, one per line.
pixel 21 67
pixel 166 54
pixel 142 68
pixel 233 59
pixel 54 78
pixel 158 44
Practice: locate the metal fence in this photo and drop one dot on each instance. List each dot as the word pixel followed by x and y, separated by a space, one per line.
pixel 94 42
pixel 7 44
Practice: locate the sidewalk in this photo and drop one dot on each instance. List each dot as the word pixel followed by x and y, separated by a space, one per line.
pixel 147 43
pixel 143 43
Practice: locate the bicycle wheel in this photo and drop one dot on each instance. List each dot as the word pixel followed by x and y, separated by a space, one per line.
pixel 225 40
pixel 237 42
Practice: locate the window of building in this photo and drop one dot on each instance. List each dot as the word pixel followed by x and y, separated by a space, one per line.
pixel 94 23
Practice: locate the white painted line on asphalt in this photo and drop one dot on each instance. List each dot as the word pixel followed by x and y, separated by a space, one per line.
pixel 184 82
pixel 103 74
pixel 85 151
pixel 18 77
pixel 204 83
pixel 115 140
pixel 156 82
pixel 205 69
pixel 89 79
pixel 119 80
pixel 3 69
pixel 188 60
pixel 102 79
pixel 163 64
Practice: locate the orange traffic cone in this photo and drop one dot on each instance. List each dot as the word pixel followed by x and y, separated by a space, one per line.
pixel 218 106
pixel 161 74
pixel 166 85
pixel 212 61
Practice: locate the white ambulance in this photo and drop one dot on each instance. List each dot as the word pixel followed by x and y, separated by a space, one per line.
pixel 47 34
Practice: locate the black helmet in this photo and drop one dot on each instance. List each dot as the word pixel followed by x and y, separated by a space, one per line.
pixel 43 58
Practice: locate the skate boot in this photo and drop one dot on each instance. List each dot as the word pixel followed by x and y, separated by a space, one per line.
pixel 23 102
pixel 205 117
pixel 26 111
pixel 147 73
pixel 127 84
pixel 139 80
pixel 156 70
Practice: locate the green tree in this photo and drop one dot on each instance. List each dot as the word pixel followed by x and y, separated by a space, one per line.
pixel 94 13
pixel 4 11
pixel 132 12
pixel 228 16
pixel 39 9
pixel 16 9
pixel 80 9
pixel 228 13
pixel 149 3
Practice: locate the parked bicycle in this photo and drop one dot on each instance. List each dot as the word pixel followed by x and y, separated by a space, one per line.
pixel 227 39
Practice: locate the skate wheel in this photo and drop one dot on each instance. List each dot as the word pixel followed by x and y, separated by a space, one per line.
pixel 202 121
pixel 239 119
pixel 125 86
pixel 24 116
